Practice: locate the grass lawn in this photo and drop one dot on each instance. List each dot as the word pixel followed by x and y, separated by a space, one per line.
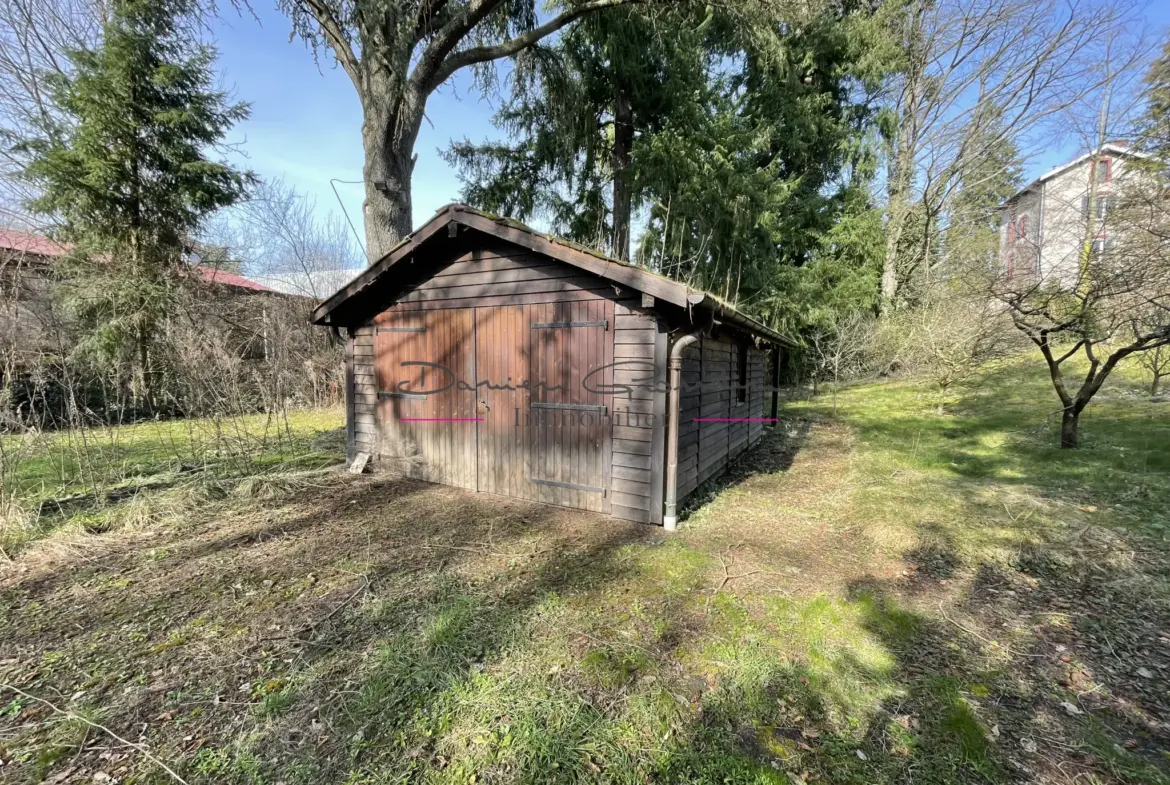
pixel 56 480
pixel 879 593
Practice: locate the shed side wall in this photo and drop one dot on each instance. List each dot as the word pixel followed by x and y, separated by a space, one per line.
pixel 710 379
pixel 364 393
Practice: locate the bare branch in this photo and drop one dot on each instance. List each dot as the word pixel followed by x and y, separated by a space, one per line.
pixel 483 54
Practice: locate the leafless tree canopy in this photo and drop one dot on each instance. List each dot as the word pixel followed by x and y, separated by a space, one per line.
pixel 978 74
pixel 34 37
pixel 285 241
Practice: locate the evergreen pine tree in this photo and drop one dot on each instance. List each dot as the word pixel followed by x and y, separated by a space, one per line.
pixel 126 174
pixel 747 138
pixel 994 175
pixel 577 115
pixel 1155 138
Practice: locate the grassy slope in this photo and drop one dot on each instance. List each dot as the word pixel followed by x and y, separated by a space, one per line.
pixel 879 594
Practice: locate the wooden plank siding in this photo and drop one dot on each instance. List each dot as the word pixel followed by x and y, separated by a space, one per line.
pixel 502 276
pixel 428 437
pixel 711 378
pixel 511 293
pixel 505 314
pixel 638 435
pixel 363 393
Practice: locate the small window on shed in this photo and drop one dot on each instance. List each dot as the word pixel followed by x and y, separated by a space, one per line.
pixel 741 368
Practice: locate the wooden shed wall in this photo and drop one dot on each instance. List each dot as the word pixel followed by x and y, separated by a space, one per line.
pixel 639 415
pixel 504 275
pixel 362 397
pixel 710 377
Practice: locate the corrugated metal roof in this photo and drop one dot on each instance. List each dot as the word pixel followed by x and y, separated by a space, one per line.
pixel 224 278
pixel 26 242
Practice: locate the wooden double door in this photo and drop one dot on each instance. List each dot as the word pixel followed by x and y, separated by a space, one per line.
pixel 510 400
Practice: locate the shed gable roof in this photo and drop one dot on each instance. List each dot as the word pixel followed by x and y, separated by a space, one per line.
pixel 447 222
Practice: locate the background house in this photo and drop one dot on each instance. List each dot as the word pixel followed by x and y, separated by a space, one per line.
pixel 1042 228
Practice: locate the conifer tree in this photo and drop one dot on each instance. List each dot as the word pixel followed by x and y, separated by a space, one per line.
pixel 577 115
pixel 747 128
pixel 126 174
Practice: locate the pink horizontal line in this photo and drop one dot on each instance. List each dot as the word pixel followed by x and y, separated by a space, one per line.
pixel 735 419
pixel 441 419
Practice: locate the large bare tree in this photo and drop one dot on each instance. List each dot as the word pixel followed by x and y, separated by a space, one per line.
pixel 34 36
pixel 396 53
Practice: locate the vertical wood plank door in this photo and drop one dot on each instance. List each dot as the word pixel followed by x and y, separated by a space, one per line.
pixel 543 436
pixel 501 369
pixel 427 423
pixel 567 424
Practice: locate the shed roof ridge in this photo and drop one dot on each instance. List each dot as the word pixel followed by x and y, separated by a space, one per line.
pixel 680 293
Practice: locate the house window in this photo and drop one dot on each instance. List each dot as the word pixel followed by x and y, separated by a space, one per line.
pixel 1012 230
pixel 1022 227
pixel 1101 245
pixel 1098 207
pixel 1104 170
pixel 1010 265
pixel 1104 204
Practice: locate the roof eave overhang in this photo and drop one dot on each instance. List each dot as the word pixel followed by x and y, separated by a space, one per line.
pixel 733 317
pixel 618 273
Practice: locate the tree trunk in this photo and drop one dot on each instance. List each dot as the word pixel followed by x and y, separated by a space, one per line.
pixel 1156 385
pixel 623 142
pixel 389 167
pixel 1069 423
pixel 897 212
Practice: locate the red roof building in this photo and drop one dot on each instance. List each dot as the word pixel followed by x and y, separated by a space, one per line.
pixel 25 243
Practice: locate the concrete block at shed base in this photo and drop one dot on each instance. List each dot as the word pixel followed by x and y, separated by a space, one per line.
pixel 360 462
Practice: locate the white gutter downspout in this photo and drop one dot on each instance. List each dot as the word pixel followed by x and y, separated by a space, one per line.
pixel 670 518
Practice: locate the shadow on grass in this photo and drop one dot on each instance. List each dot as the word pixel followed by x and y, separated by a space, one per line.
pixel 393 631
pixel 1066 670
pixel 1122 457
pixel 774 453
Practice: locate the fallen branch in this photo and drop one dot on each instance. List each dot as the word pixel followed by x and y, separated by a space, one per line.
pixel 305 633
pixel 728 577
pixel 145 752
pixel 343 603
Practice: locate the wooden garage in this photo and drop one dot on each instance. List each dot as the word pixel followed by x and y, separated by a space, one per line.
pixel 485 355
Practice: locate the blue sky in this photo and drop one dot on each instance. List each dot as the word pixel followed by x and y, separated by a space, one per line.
pixel 306 120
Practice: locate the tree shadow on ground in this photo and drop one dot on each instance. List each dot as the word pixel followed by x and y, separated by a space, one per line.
pixel 398 580
pixel 774 453
pixel 389 630
pixel 1056 662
